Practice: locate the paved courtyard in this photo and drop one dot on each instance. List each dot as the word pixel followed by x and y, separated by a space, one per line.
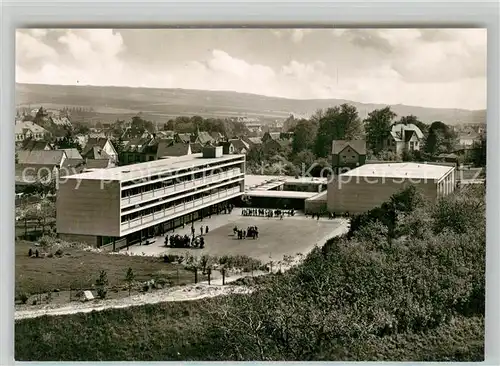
pixel 277 238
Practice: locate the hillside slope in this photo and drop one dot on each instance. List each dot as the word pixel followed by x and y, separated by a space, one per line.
pixel 162 104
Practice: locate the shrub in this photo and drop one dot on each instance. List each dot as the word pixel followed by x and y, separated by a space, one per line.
pixel 23 297
pixel 102 284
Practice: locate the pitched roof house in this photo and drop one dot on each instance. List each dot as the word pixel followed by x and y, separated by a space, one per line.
pixel 404 138
pixel 60 121
pixel 235 146
pixel 72 154
pixel 348 154
pixel 252 141
pixel 468 138
pixel 217 136
pixel 202 137
pixel 100 148
pixel 26 129
pixel 36 145
pixel 196 148
pixel 270 136
pixel 35 165
pixel 175 149
pixel 184 138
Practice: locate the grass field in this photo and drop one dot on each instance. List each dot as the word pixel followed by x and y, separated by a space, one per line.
pixel 80 269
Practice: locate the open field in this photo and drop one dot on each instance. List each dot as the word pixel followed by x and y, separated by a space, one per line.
pixel 80 269
pixel 163 103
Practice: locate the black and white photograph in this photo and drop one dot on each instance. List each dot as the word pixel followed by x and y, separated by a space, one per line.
pixel 250 194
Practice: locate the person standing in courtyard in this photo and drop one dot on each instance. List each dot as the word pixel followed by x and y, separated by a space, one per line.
pixel 201 231
pixel 206 229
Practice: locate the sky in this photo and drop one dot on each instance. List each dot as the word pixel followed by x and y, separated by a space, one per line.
pixel 442 68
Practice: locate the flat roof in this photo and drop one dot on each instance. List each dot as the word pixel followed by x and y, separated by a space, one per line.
pixel 401 170
pixel 150 168
pixel 281 194
pixel 253 181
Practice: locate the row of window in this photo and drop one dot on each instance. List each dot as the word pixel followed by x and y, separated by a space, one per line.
pixel 168 205
pixel 172 196
pixel 165 184
pixel 182 171
pixel 24 137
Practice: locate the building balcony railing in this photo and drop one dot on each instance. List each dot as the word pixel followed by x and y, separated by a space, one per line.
pixel 171 212
pixel 179 187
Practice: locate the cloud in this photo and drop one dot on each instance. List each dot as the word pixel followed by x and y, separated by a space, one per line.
pixel 440 68
pixel 29 47
pixel 298 34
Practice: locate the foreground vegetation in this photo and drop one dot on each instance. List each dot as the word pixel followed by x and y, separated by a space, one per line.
pixel 406 284
pixel 75 268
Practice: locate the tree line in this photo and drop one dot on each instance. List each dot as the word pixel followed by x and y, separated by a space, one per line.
pixel 312 139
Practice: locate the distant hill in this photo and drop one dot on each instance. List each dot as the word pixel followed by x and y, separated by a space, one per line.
pixel 160 105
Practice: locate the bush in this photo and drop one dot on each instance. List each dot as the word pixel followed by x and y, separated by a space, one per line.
pixel 102 284
pixel 23 297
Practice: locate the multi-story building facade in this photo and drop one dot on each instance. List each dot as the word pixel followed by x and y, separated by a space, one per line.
pixel 122 205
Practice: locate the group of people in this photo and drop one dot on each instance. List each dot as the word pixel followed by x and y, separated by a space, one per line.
pixel 202 229
pixel 267 212
pixel 331 215
pixel 250 232
pixel 184 241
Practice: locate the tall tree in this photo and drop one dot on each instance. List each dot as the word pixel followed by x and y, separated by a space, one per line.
pixel 338 123
pixel 377 127
pixel 411 119
pixel 479 152
pixel 69 141
pixel 440 139
pixel 304 135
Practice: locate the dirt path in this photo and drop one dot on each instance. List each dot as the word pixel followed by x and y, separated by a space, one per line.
pixel 184 293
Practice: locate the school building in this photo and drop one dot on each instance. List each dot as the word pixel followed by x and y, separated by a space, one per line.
pixel 123 205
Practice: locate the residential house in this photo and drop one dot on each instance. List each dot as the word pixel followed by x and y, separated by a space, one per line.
pixel 96 146
pixel 167 150
pixel 235 146
pixel 202 137
pixel 468 138
pixel 196 148
pixel 36 165
pixel 268 136
pixel 348 154
pixel 252 141
pixel 61 121
pixel 97 135
pixel 29 130
pixel 38 158
pixel 132 133
pixel 72 153
pixel 166 134
pixel 36 145
pixel 146 149
pixel 184 138
pixel 72 166
pixel 217 136
pixel 254 127
pixel 272 142
pixel 404 138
